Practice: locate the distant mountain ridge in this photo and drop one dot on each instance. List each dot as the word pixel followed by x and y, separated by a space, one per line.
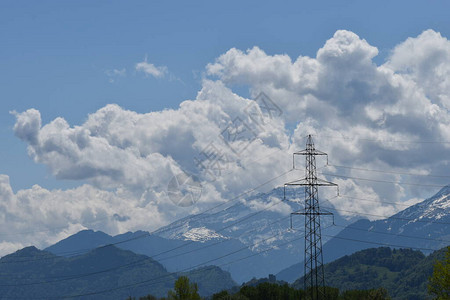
pixel 103 273
pixel 175 255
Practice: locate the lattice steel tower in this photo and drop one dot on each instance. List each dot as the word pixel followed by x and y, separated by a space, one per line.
pixel 314 281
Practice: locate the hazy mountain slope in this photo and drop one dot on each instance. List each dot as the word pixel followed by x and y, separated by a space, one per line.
pixel 80 243
pixel 31 273
pixel 176 255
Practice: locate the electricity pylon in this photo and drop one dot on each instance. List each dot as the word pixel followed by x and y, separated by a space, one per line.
pixel 314 278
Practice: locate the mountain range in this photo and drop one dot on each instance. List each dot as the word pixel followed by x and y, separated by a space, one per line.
pixel 256 229
pixel 250 239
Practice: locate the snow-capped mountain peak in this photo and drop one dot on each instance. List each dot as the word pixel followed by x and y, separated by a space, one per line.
pixel 433 208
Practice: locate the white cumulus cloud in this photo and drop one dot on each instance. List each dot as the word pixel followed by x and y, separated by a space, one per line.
pixel 364 115
pixel 40 217
pixel 387 117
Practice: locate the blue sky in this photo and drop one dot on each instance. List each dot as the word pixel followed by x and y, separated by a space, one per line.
pixel 54 54
pixel 367 69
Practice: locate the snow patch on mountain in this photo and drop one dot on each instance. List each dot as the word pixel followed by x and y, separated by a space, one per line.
pixel 202 234
pixel 434 208
pixel 249 221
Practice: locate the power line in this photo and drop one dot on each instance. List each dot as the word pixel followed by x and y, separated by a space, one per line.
pixel 333 175
pixel 393 234
pixel 230 225
pixel 198 265
pixel 384 244
pixel 383 181
pixel 220 230
pixel 375 200
pixel 214 244
pixel 389 217
pixel 383 140
pixel 240 220
pixel 251 255
pixel 140 262
pixel 389 172
pixel 149 282
pixel 381 244
pixel 229 201
pixel 226 227
pixel 146 282
pixel 256 254
pixel 172 273
pixel 220 204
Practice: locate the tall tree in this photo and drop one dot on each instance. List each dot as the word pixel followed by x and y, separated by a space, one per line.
pixel 184 290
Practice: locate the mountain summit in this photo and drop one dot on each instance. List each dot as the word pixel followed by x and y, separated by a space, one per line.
pixel 436 208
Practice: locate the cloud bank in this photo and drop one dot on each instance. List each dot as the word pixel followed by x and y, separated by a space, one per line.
pixel 391 117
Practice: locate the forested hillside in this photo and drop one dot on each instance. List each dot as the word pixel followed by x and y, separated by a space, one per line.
pixel 403 272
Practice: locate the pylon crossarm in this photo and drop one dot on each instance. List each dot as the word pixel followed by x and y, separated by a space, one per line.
pixel 312 213
pixel 310 152
pixel 308 184
pixel 297 182
pixel 304 181
pixel 322 182
pixel 326 212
